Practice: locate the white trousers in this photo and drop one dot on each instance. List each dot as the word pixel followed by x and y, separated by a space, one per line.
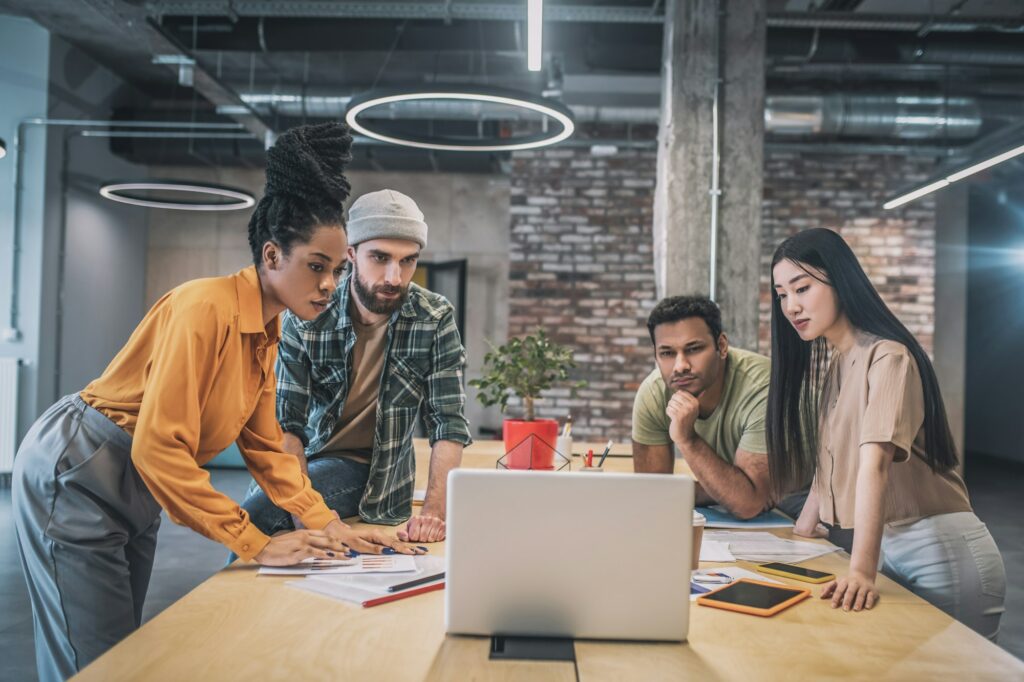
pixel 951 561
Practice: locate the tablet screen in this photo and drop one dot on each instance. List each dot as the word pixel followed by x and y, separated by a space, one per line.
pixel 753 595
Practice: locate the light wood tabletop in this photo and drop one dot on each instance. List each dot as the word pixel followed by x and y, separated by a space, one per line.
pixel 238 625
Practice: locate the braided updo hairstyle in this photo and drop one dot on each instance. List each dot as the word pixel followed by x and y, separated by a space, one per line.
pixel 306 187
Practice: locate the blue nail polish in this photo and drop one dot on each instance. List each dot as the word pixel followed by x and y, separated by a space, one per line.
pixel 422 547
pixel 330 554
pixel 353 553
pixel 387 550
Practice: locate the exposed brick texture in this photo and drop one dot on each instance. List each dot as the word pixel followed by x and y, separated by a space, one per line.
pixel 845 193
pixel 582 264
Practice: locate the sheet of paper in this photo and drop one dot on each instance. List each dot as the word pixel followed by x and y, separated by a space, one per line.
pixel 358 588
pixel 718 517
pixel 763 547
pixel 734 572
pixel 380 582
pixel 351 593
pixel 342 592
pixel 364 563
pixel 715 551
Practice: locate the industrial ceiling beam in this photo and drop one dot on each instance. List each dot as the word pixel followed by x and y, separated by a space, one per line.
pixel 129 26
pixel 553 12
pixel 443 11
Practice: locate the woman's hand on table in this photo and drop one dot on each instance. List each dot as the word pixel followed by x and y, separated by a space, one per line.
pixel 368 540
pixel 287 549
pixel 855 592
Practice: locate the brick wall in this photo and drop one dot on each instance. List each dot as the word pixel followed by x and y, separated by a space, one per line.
pixel 581 256
pixel 582 266
pixel 845 193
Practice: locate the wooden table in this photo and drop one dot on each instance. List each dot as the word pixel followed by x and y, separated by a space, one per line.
pixel 239 626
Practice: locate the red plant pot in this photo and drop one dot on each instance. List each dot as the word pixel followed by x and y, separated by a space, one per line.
pixel 541 454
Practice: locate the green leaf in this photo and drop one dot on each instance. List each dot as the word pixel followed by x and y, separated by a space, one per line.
pixel 525 367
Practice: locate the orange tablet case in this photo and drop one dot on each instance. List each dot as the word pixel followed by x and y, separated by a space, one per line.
pixel 707 599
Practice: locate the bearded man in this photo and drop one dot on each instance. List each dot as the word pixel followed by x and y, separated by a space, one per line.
pixel 353 383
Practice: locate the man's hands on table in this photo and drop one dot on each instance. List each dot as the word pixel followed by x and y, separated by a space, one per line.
pixel 429 526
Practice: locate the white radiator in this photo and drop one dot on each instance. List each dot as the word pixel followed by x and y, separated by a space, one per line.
pixel 8 413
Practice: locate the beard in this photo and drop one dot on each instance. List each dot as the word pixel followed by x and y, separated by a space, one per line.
pixel 368 296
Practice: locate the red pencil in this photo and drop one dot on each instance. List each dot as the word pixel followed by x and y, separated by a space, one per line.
pixel 590 458
pixel 402 595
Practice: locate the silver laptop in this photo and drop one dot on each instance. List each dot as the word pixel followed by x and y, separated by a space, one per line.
pixel 581 555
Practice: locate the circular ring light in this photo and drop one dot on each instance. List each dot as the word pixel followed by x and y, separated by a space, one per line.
pixel 556 111
pixel 128 193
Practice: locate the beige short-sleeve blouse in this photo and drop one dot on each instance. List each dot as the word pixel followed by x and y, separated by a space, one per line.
pixel 873 394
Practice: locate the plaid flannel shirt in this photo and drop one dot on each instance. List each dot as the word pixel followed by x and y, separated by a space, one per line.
pixel 423 367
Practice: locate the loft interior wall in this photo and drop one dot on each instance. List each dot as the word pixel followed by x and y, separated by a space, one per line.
pixel 102 289
pixel 24 67
pixel 82 259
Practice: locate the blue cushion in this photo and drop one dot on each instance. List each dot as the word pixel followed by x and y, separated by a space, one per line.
pixel 230 458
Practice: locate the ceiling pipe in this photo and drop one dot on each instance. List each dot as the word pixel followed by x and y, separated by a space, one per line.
pixel 903 117
pixel 604 13
pixel 858 21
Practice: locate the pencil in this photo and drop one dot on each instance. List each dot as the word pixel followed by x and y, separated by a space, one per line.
pixel 607 449
pixel 417 581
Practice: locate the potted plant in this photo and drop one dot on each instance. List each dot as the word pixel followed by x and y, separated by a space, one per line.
pixel 526 367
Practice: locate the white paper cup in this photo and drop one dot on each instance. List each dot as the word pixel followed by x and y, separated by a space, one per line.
pixel 564 447
pixel 698 535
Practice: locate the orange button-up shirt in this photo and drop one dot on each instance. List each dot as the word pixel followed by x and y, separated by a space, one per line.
pixel 196 375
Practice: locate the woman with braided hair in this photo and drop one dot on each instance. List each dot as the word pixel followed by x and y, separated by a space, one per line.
pixel 197 374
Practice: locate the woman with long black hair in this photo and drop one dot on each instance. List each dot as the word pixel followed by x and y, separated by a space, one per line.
pixel 882 456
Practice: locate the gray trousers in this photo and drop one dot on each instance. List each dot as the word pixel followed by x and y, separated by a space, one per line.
pixel 86 527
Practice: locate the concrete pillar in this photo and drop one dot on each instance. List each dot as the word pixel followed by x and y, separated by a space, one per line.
pixel 702 39
pixel 950 345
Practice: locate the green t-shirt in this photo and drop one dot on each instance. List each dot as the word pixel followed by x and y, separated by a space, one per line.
pixel 737 422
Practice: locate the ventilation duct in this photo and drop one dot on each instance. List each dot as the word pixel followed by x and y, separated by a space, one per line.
pixel 905 117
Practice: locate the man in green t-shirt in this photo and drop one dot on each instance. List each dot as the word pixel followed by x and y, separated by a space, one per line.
pixel 708 400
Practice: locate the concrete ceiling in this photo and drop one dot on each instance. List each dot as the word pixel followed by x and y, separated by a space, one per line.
pixel 599 53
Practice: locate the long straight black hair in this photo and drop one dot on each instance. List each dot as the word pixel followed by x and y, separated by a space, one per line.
pixel 798 366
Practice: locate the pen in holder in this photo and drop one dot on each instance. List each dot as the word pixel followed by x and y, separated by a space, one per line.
pixel 564 447
pixel 587 462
